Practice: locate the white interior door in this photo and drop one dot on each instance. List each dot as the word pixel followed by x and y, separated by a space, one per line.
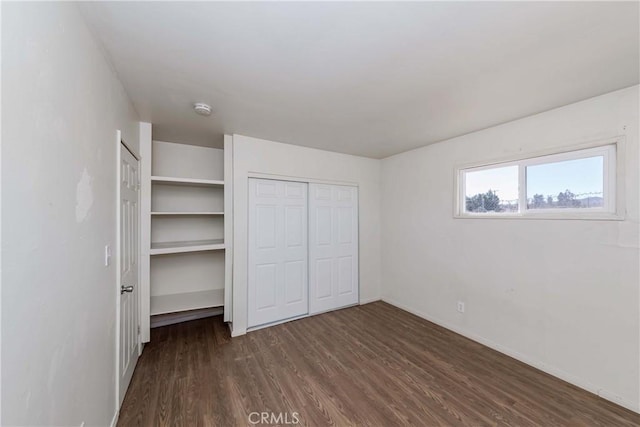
pixel 128 265
pixel 278 254
pixel 333 247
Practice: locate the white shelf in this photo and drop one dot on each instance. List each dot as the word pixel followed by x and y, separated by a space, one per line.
pixel 186 181
pixel 164 304
pixel 186 213
pixel 187 246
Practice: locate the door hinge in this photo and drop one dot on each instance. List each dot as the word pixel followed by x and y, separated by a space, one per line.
pixel 138 329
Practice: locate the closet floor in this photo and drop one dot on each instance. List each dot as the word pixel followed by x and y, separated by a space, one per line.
pixel 369 365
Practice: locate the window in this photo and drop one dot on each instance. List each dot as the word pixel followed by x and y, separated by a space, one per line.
pixel 492 189
pixel 573 184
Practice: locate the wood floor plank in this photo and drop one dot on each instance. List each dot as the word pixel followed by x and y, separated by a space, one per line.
pixel 372 365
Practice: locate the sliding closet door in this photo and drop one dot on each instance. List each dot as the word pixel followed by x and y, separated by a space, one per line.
pixel 333 247
pixel 278 255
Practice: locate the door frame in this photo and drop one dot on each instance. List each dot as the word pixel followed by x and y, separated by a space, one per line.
pixel 116 256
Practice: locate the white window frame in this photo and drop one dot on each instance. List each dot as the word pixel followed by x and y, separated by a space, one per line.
pixel 612 152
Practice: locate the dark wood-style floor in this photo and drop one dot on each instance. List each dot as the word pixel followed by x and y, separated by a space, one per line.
pixel 370 365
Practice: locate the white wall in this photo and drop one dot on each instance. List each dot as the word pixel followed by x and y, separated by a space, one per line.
pixel 251 155
pixel 562 295
pixel 187 161
pixel 61 107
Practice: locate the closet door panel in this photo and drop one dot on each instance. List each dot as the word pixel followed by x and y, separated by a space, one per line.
pixel 295 282
pixel 345 275
pixel 266 289
pixel 321 232
pixel 322 277
pixel 278 255
pixel 346 245
pixel 333 247
pixel 266 227
pixel 323 227
pixel 295 290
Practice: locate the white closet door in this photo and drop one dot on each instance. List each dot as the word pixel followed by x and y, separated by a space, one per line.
pixel 333 247
pixel 278 251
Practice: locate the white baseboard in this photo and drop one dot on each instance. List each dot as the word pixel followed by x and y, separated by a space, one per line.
pixel 370 300
pixel 551 370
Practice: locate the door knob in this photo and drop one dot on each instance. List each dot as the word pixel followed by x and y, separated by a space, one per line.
pixel 124 289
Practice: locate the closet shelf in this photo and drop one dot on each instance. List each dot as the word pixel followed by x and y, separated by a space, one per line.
pixel 186 213
pixel 186 246
pixel 163 304
pixel 186 181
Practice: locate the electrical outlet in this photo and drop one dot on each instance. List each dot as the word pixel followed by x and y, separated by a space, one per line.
pixel 107 255
pixel 460 307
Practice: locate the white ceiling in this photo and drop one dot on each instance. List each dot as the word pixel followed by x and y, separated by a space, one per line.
pixel 372 79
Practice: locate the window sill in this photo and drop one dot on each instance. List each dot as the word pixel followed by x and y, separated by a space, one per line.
pixel 547 216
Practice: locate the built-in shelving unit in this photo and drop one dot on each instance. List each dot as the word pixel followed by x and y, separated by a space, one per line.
pixel 186 219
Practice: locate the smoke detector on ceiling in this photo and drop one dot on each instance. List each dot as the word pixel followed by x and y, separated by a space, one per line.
pixel 202 108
